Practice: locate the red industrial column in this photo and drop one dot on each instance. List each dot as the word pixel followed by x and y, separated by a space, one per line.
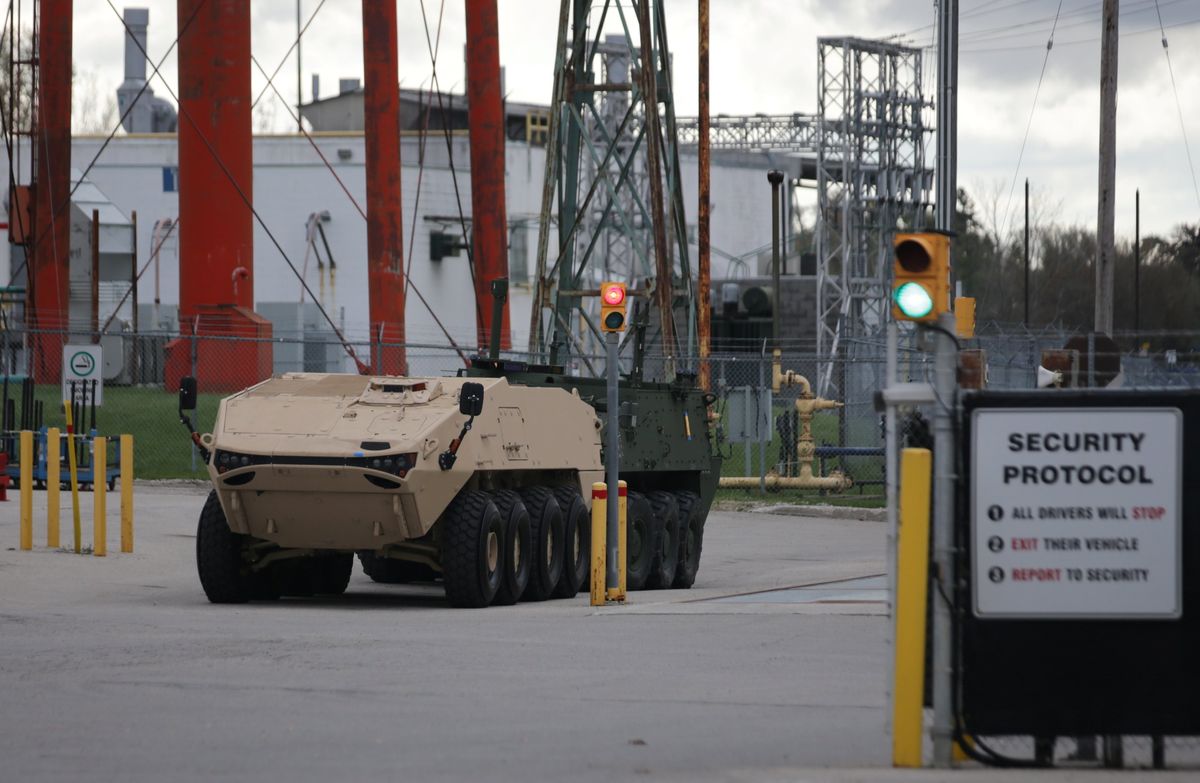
pixel 485 112
pixel 216 227
pixel 385 233
pixel 49 264
pixel 216 185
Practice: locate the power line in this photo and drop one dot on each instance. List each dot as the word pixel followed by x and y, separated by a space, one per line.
pixel 287 54
pixel 246 199
pixel 1081 16
pixel 1178 106
pixel 56 211
pixel 1028 125
pixel 1078 41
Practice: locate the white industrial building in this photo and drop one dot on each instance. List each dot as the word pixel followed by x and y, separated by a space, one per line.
pixel 139 173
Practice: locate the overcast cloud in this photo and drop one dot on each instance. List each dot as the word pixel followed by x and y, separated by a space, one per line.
pixel 764 60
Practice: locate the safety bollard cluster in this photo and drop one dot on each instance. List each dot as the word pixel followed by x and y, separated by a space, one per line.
pixel 41 462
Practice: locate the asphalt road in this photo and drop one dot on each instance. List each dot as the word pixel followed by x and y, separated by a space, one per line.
pixel 117 668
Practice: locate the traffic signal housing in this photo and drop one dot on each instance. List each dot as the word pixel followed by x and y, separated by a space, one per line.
pixel 613 304
pixel 921 276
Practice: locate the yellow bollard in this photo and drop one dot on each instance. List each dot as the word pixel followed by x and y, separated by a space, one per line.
pixel 618 593
pixel 53 484
pixel 126 493
pixel 74 468
pixel 599 541
pixel 912 581
pixel 26 489
pixel 622 529
pixel 100 496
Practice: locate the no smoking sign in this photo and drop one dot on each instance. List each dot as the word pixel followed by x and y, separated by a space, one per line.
pixel 82 365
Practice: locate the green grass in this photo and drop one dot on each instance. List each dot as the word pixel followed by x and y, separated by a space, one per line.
pixel 161 446
pixel 860 432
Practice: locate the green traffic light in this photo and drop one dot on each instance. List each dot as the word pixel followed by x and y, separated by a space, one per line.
pixel 913 300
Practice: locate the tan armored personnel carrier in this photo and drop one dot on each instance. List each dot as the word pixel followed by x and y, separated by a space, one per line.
pixel 471 480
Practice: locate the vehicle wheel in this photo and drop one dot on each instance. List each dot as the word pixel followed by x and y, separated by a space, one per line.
pixel 389 571
pixel 516 547
pixel 546 549
pixel 225 577
pixel 666 548
pixel 577 540
pixel 472 550
pixel 640 535
pixel 332 572
pixel 691 538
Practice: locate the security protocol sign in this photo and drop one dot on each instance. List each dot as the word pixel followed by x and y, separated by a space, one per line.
pixel 1075 513
pixel 82 364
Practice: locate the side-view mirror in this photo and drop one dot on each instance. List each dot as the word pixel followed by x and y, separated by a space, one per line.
pixel 187 394
pixel 470 399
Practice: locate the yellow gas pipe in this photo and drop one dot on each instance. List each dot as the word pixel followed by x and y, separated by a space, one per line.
pixel 806 406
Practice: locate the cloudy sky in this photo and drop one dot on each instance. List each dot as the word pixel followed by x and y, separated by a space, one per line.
pixel 764 60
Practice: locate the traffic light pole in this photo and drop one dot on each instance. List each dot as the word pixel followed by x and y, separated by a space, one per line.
pixel 945 388
pixel 612 456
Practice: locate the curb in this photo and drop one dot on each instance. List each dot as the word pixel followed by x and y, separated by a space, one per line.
pixel 812 511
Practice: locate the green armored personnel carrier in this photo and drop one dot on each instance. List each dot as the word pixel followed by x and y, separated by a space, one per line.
pixel 480 481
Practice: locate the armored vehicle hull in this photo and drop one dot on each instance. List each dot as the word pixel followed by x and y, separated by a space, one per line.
pixel 482 481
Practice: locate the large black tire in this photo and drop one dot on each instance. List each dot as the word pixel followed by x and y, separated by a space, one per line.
pixel 691 539
pixel 472 545
pixel 332 572
pixel 577 540
pixel 640 536
pixel 224 575
pixel 517 547
pixel 546 547
pixel 389 571
pixel 666 548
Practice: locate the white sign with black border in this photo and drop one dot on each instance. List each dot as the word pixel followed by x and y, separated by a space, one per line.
pixel 1075 513
pixel 83 364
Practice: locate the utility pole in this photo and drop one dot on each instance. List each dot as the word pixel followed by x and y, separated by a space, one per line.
pixel 1027 252
pixel 299 70
pixel 1105 255
pixel 947 114
pixel 776 179
pixel 946 358
pixel 704 277
pixel 1137 262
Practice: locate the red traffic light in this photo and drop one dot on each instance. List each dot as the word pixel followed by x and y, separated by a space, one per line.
pixel 614 295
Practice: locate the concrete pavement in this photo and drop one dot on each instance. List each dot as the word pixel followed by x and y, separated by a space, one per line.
pixel 119 669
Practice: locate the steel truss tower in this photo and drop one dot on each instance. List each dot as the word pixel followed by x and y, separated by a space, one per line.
pixel 871 178
pixel 612 178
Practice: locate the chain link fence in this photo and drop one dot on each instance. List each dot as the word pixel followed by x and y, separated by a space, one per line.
pixel 762 434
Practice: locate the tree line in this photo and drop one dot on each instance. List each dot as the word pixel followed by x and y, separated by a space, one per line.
pixel 991 265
